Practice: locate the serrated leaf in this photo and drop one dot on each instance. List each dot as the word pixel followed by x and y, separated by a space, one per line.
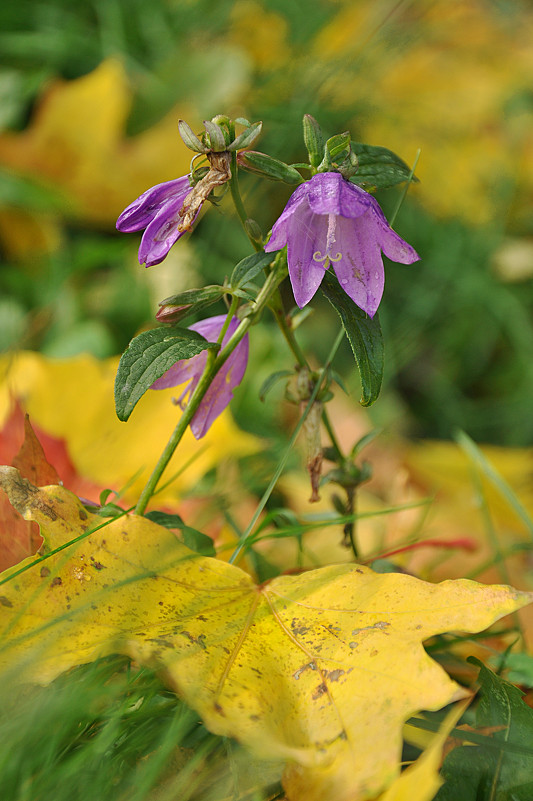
pixel 147 358
pixel 247 269
pixel 495 770
pixel 304 668
pixel 364 335
pixel 379 167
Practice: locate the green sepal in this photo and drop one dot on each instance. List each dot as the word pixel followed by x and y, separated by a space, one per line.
pixel 364 335
pixel 379 168
pixel 246 138
pixel 190 139
pixel 147 358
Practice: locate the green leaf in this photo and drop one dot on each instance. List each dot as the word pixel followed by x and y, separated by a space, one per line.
pixel 364 335
pixel 147 358
pixel 247 269
pixel 379 167
pixel 503 768
pixel 191 537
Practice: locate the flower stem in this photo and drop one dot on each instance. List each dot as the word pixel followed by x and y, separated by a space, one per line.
pixel 264 500
pixel 276 303
pixel 237 200
pixel 203 385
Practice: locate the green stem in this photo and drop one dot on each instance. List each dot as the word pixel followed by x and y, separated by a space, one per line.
pixel 237 200
pixel 264 500
pixel 276 303
pixel 332 436
pixel 203 385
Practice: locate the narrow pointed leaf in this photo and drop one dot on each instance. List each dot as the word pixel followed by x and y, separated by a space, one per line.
pixel 364 335
pixel 147 358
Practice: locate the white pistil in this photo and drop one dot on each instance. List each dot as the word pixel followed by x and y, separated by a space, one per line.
pixel 330 242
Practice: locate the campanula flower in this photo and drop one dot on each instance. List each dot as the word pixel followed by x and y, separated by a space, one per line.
pixel 221 389
pixel 329 220
pixel 162 212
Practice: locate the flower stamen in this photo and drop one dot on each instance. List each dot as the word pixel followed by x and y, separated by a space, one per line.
pixel 330 241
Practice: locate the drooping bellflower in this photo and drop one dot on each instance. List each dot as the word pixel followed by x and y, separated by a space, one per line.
pixel 329 220
pixel 220 392
pixel 160 211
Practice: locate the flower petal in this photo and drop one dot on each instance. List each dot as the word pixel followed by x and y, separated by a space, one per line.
pixel 307 234
pixel 142 211
pixel 393 246
pixel 360 270
pixel 278 238
pixel 330 193
pixel 220 393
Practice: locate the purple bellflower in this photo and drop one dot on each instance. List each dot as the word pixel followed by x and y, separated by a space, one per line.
pixel 330 220
pixel 160 210
pixel 221 389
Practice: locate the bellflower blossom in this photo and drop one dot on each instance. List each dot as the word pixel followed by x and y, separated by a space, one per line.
pixel 221 389
pixel 159 210
pixel 330 220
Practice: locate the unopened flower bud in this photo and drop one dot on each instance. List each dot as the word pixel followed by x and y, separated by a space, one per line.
pixel 314 140
pixel 253 230
pixel 247 137
pixel 268 167
pixel 171 314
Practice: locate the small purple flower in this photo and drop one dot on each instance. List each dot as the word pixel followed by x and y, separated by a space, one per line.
pixel 160 211
pixel 228 377
pixel 330 220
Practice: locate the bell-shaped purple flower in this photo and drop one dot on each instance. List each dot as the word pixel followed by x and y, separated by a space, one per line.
pixel 330 220
pixel 160 210
pixel 221 389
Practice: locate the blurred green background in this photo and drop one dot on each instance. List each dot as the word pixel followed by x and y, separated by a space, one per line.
pixel 90 95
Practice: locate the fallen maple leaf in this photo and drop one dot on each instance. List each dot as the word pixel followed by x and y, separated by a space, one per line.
pixel 18 537
pixel 97 450
pixel 320 669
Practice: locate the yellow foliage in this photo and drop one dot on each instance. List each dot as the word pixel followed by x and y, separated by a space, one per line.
pixel 76 143
pixel 262 34
pixel 72 399
pixel 442 81
pixel 320 669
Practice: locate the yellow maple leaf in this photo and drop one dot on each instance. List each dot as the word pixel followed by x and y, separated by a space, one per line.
pixel 102 449
pixel 320 669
